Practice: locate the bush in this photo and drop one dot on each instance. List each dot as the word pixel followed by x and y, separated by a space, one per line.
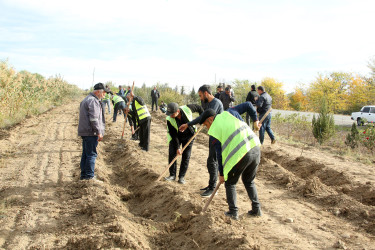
pixel 369 138
pixel 324 126
pixel 24 93
pixel 352 138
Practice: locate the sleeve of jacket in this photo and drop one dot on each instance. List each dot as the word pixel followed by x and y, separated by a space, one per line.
pixel 94 110
pixel 216 143
pixel 174 134
pixel 248 97
pixel 195 108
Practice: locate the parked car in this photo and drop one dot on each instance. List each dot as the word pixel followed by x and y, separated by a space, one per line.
pixel 367 114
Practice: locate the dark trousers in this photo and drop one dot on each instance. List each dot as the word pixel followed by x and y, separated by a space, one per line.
pixel 144 134
pixel 184 161
pixel 266 126
pixel 89 154
pixel 212 166
pixel 154 101
pixel 247 167
pixel 118 106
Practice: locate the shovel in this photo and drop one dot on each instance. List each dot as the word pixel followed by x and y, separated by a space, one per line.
pixel 187 144
pixel 126 117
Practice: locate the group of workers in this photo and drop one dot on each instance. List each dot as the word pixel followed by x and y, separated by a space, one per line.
pixel 234 149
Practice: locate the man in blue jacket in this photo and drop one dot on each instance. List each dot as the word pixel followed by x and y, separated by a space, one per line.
pixel 91 128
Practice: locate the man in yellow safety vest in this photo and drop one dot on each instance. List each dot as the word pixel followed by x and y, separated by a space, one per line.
pixel 238 153
pixel 118 104
pixel 176 116
pixel 143 118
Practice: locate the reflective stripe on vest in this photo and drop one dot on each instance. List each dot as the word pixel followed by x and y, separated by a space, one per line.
pixel 106 97
pixel 142 111
pixel 189 115
pixel 116 99
pixel 236 139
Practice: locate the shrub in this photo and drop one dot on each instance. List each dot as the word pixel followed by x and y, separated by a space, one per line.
pixel 369 138
pixel 352 138
pixel 324 126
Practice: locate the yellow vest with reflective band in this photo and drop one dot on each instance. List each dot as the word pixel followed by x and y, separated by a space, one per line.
pixel 189 115
pixel 236 139
pixel 130 114
pixel 106 97
pixel 142 111
pixel 116 99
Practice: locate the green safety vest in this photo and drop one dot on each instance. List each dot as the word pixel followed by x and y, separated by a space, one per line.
pixel 142 111
pixel 116 99
pixel 106 97
pixel 236 139
pixel 189 115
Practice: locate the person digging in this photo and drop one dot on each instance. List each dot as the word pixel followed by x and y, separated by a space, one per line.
pixel 238 153
pixel 176 116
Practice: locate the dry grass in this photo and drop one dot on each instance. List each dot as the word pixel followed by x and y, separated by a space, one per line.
pixel 23 94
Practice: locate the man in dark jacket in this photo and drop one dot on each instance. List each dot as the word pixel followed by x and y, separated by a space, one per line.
pixel 227 98
pixel 176 117
pixel 219 90
pixel 91 128
pixel 143 118
pixel 263 104
pixel 210 102
pixel 155 95
pixel 252 97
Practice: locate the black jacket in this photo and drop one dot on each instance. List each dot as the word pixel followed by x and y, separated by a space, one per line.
pixel 251 96
pixel 177 136
pixel 263 104
pixel 156 95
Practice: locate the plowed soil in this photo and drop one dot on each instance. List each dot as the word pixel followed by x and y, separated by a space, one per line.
pixel 309 201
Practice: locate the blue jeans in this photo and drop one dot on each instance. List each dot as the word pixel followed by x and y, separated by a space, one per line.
pixel 89 154
pixel 107 103
pixel 266 126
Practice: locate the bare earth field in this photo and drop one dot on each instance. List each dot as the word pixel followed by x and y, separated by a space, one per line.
pixel 313 201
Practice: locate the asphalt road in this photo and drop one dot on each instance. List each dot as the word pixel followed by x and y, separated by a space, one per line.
pixel 343 120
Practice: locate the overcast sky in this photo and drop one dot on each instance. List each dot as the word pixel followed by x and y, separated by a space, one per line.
pixel 187 42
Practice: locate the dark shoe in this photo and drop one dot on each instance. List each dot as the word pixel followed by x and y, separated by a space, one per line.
pixel 170 178
pixel 256 213
pixel 207 193
pixel 204 189
pixel 232 215
pixel 273 141
pixel 181 180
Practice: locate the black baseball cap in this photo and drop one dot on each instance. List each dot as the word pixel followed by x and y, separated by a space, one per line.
pixel 99 86
pixel 172 108
pixel 207 114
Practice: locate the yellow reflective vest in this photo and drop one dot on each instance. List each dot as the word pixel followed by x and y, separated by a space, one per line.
pixel 236 139
pixel 189 115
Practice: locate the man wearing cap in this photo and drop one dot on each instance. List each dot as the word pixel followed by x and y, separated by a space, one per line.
pixel 91 127
pixel 238 152
pixel 177 116
pixel 118 104
pixel 143 118
pixel 210 102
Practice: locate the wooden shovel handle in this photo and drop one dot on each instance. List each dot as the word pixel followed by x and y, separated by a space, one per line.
pixel 265 115
pixel 211 197
pixel 187 144
pixel 126 117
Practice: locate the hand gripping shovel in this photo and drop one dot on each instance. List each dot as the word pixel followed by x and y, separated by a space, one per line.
pixel 187 144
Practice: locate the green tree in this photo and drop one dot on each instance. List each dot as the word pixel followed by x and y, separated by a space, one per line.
pixel 182 90
pixel 275 90
pixel 324 126
pixel 352 138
